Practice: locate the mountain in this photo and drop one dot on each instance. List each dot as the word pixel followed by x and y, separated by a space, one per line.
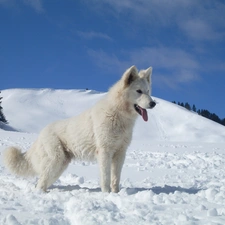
pixel 29 110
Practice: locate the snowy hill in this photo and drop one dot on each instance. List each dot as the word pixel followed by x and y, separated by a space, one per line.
pixel 167 121
pixel 173 172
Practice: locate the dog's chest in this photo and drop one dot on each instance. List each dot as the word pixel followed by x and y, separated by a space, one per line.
pixel 120 131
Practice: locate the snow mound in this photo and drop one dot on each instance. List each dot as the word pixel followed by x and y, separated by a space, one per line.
pixel 167 121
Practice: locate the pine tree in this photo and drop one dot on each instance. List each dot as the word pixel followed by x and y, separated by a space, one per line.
pixel 215 118
pixel 205 113
pixel 194 108
pixel 2 117
pixel 202 112
pixel 187 106
pixel 223 121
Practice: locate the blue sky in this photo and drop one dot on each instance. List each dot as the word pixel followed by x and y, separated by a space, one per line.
pixel 77 44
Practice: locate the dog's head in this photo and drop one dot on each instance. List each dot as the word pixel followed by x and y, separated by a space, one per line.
pixel 138 86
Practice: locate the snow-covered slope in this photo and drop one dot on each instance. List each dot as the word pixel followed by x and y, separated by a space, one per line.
pixel 29 110
pixel 171 175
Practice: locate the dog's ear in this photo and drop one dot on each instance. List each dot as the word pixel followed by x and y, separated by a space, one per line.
pixel 130 75
pixel 146 74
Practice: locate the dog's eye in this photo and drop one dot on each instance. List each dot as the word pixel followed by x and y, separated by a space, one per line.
pixel 139 91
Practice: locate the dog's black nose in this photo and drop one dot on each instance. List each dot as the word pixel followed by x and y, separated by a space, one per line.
pixel 152 104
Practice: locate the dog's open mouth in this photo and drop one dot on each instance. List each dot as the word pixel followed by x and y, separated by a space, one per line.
pixel 142 112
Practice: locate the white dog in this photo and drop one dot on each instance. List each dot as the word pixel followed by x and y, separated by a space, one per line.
pixel 102 132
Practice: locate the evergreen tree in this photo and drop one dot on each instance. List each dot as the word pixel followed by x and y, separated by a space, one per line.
pixel 205 113
pixel 215 118
pixel 202 112
pixel 187 106
pixel 223 121
pixel 194 108
pixel 2 117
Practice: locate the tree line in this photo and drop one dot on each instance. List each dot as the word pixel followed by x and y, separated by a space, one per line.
pixel 202 112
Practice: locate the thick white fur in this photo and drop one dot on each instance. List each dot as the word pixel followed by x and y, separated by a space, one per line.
pixel 103 132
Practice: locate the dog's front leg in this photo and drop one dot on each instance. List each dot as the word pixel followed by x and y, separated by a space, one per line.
pixel 104 160
pixel 117 164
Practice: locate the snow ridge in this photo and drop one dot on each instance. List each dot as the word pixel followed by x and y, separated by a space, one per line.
pixel 167 121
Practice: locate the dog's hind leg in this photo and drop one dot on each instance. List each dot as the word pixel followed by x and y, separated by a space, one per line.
pixel 50 174
pixel 52 168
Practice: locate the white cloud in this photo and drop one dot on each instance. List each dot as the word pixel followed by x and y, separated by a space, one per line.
pixel 147 11
pixel 35 4
pixel 164 57
pixel 179 66
pixel 92 35
pixel 108 62
pixel 7 3
pixel 199 20
pixel 200 30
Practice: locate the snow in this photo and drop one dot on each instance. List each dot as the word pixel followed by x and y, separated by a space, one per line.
pixel 173 172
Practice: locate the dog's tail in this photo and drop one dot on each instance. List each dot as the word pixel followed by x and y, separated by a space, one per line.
pixel 17 162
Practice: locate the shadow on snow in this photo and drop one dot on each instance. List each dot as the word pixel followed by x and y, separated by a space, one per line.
pixel 166 190
pixel 131 191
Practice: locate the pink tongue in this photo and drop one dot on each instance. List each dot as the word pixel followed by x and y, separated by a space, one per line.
pixel 144 114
